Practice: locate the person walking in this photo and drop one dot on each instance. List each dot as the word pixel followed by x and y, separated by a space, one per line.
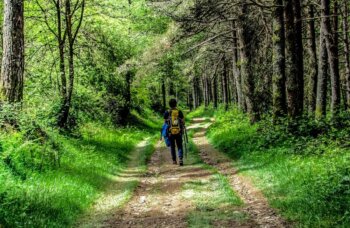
pixel 175 120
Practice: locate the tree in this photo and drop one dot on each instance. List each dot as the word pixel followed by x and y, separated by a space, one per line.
pixel 321 102
pixel 244 36
pixel 295 77
pixel 279 62
pixel 346 51
pixel 332 49
pixel 72 33
pixel 313 66
pixel 12 68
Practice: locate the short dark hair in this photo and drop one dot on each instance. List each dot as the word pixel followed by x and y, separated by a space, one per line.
pixel 172 103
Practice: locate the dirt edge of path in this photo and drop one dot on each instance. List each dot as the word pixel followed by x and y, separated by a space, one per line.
pixel 119 192
pixel 256 205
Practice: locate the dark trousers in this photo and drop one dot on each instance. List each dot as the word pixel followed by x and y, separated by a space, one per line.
pixel 176 141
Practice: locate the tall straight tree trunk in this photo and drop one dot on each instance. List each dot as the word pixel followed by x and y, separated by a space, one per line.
pixel 225 84
pixel 163 94
pixel 312 90
pixel 300 52
pixel 12 68
pixel 332 50
pixel 196 92
pixel 321 101
pixel 215 92
pixel 295 82
pixel 235 69
pixel 244 41
pixel 205 91
pixel 279 62
pixel 210 94
pixel 346 52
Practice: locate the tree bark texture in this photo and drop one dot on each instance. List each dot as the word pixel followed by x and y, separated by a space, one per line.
pixel 332 50
pixel 12 68
pixel 279 62
pixel 321 101
pixel 244 39
pixel 346 52
pixel 313 67
pixel 295 82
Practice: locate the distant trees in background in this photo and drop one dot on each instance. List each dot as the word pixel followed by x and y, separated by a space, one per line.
pixel 288 57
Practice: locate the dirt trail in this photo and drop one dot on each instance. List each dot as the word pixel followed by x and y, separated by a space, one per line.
pixel 256 205
pixel 158 201
pixel 117 193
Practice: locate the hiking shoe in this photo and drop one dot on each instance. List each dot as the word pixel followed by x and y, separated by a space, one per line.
pixel 181 163
pixel 175 162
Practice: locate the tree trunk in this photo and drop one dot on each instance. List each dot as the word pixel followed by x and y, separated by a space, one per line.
pixel 196 92
pixel 71 34
pixel 346 52
pixel 321 101
pixel 248 85
pixel 236 71
pixel 215 92
pixel 332 50
pixel 210 94
pixel 12 68
pixel 279 62
pixel 205 91
pixel 61 45
pixel 300 53
pixel 294 76
pixel 225 84
pixel 164 95
pixel 312 90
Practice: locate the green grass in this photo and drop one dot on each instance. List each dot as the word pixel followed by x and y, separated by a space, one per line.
pixel 201 112
pixel 51 183
pixel 307 179
pixel 213 197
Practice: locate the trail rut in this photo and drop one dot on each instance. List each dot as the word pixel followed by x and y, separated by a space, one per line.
pixel 256 205
pixel 158 199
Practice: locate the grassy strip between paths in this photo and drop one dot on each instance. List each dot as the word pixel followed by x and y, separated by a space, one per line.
pixel 307 179
pixel 216 204
pixel 51 184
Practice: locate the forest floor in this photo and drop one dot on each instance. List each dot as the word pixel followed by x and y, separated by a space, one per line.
pixel 206 192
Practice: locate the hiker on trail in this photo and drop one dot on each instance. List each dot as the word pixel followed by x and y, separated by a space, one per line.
pixel 174 118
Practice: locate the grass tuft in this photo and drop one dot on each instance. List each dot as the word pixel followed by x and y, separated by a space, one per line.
pixel 305 176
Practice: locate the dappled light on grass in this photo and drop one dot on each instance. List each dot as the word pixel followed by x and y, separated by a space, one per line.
pixel 55 196
pixel 307 188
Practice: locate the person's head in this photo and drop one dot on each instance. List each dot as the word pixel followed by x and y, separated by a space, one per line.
pixel 172 103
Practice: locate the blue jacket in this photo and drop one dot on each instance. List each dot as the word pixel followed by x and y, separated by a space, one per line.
pixel 165 134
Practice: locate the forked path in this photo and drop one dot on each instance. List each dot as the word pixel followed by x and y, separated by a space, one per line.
pixel 256 205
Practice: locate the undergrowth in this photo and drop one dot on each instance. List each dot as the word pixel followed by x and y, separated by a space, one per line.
pixel 301 166
pixel 48 179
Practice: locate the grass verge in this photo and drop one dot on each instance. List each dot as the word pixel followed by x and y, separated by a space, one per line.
pixel 306 178
pixel 215 202
pixel 49 180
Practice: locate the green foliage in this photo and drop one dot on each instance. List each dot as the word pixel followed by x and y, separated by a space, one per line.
pixel 36 192
pixel 201 112
pixel 302 167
